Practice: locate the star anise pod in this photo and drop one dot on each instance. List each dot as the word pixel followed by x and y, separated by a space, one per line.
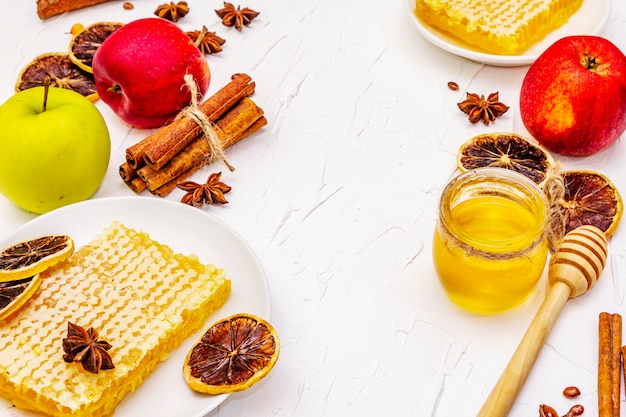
pixel 212 192
pixel 207 42
pixel 236 17
pixel 477 108
pixel 172 11
pixel 83 346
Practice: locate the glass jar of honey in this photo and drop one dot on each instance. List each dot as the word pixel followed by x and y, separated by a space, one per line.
pixel 490 246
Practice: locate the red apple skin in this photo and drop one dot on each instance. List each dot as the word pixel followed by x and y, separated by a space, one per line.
pixel 139 71
pixel 570 109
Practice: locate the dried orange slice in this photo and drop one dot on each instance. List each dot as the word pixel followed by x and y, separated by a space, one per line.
pixel 62 72
pixel 14 294
pixel 591 199
pixel 30 257
pixel 85 43
pixel 232 355
pixel 505 150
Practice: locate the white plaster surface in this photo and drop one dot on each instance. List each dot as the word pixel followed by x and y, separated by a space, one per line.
pixel 337 196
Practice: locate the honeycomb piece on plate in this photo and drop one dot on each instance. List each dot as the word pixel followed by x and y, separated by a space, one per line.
pixel 139 295
pixel 500 27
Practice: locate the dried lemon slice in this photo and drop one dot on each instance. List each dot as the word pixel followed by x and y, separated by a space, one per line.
pixel 232 355
pixel 62 72
pixel 85 43
pixel 30 257
pixel 505 150
pixel 591 199
pixel 14 294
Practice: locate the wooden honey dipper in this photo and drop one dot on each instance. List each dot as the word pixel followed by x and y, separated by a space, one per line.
pixel 573 270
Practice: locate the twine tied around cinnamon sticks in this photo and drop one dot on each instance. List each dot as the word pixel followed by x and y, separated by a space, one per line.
pixel 194 113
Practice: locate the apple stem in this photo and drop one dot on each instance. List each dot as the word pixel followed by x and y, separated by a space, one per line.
pixel 46 88
pixel 115 88
pixel 590 62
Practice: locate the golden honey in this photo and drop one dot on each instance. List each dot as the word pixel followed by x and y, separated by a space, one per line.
pixel 489 246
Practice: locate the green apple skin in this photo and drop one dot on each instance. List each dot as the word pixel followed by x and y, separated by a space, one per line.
pixel 52 158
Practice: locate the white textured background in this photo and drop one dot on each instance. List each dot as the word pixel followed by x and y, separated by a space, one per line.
pixel 338 195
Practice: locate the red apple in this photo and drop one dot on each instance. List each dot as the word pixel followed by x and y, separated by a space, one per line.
pixel 573 97
pixel 139 71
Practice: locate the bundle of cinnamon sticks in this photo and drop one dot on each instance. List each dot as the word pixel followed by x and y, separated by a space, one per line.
pixel 174 152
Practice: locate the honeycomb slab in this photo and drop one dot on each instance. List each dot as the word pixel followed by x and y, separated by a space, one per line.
pixel 140 296
pixel 501 27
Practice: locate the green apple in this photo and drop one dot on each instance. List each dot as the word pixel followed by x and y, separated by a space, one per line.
pixel 54 148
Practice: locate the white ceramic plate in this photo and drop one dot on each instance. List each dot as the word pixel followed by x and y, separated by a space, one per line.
pixel 186 230
pixel 588 20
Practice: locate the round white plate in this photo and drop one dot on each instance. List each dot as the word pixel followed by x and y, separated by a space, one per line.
pixel 588 20
pixel 186 230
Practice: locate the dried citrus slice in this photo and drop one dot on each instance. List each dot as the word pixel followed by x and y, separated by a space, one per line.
pixel 14 294
pixel 591 199
pixel 62 72
pixel 84 44
pixel 30 257
pixel 232 355
pixel 505 150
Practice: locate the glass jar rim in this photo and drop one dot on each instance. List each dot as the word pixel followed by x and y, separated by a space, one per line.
pixel 505 177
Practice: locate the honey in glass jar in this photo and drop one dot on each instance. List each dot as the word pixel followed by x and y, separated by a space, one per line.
pixel 490 246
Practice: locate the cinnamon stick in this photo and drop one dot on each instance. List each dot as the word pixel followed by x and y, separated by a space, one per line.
pixel 127 172
pixel 609 364
pixel 170 186
pixel 624 365
pixel 134 153
pixel 171 139
pixel 48 8
pixel 231 128
pixel 136 184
